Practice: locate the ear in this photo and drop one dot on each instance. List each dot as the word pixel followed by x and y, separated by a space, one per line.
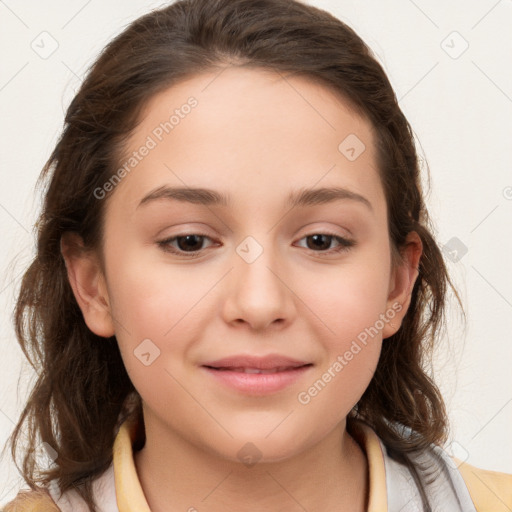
pixel 402 281
pixel 88 284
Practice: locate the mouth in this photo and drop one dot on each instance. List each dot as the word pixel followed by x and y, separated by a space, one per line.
pixel 257 377
pixel 242 369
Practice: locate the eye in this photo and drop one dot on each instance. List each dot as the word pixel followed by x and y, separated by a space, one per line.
pixel 187 243
pixel 318 242
pixel 190 245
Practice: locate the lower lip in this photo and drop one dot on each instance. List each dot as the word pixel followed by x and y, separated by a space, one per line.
pixel 258 383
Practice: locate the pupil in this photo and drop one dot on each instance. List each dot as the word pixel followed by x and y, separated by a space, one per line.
pixel 188 238
pixel 321 246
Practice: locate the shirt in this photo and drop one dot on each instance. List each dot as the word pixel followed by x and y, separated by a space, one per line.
pixel 460 487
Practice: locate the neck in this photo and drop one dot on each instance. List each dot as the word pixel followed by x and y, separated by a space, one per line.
pixel 177 475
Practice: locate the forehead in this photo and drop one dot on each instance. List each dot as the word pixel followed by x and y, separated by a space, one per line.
pixel 250 129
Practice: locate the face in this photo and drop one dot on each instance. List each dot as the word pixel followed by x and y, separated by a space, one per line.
pixel 190 280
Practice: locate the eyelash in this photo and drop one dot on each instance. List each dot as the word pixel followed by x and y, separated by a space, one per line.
pixel 345 245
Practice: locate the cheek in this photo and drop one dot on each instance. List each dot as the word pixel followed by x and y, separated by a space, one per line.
pixel 351 309
pixel 152 307
pixel 339 385
pixel 150 299
pixel 155 334
pixel 351 306
pixel 348 297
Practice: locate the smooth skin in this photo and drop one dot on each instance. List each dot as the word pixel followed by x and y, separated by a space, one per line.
pixel 256 136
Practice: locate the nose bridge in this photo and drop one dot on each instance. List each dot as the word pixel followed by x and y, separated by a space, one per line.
pixel 258 294
pixel 257 264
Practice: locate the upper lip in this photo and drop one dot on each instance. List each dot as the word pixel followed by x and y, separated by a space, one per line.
pixel 267 362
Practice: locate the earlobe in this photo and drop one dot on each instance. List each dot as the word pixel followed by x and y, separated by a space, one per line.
pixel 402 282
pixel 87 281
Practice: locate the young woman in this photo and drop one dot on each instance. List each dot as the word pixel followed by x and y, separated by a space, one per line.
pixel 236 284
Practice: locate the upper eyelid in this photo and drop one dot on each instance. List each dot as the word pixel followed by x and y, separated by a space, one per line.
pixel 310 230
pixel 211 237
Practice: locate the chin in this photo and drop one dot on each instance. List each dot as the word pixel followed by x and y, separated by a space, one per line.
pixel 250 449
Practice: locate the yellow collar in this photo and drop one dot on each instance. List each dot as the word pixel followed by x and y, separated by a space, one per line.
pixel 130 496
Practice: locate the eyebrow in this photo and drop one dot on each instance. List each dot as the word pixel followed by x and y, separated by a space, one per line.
pixel 298 198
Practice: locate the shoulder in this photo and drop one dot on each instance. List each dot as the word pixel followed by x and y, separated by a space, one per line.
pixel 51 499
pixel 491 491
pixel 32 501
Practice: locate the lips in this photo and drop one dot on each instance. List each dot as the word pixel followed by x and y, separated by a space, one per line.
pixel 271 363
pixel 256 370
pixel 256 376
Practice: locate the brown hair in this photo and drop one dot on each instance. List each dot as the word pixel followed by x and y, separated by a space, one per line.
pixel 82 385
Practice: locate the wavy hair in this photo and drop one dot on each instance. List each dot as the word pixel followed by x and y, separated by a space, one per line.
pixel 82 386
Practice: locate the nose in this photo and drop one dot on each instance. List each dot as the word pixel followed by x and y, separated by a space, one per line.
pixel 259 292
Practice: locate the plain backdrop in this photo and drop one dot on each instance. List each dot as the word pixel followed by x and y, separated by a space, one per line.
pixel 449 63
